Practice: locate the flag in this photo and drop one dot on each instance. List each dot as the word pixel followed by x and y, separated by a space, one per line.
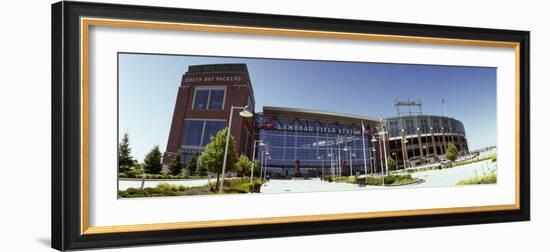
pixel 365 130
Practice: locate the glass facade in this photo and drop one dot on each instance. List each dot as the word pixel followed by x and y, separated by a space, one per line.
pixel 411 123
pixel 409 127
pixel 436 125
pixel 394 128
pixel 314 144
pixel 424 128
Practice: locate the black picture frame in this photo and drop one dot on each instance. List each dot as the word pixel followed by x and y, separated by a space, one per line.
pixel 66 124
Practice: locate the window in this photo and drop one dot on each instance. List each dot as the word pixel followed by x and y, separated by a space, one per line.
pixel 409 127
pixel 198 132
pixel 201 99
pixel 394 129
pixel 209 99
pixel 192 132
pixel 435 125
pixel 216 99
pixel 424 125
pixel 211 129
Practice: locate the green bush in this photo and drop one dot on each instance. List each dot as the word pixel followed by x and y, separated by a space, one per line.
pixel 122 175
pixel 361 181
pixel 328 178
pixel 351 180
pixel 375 181
pixel 167 189
pixel 490 178
pixel 241 188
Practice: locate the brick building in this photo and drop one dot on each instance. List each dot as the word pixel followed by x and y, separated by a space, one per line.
pixel 202 108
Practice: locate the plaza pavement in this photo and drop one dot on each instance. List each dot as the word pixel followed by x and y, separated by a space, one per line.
pixel 432 178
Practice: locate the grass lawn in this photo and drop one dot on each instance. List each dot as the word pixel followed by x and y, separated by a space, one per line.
pixel 393 180
pixel 490 178
pixel 231 186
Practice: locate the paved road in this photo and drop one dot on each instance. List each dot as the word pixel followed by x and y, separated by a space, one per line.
pixel 308 185
pixel 434 178
pixel 449 177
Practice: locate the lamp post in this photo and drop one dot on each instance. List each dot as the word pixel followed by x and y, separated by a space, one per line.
pixel 384 144
pixel 350 160
pixel 331 163
pixel 404 150
pixel 245 114
pixel 364 148
pixel 395 159
pixel 374 150
pixel 339 157
pixel 372 165
pixel 267 157
pixel 262 165
pixel 260 143
pixel 346 150
pixel 322 165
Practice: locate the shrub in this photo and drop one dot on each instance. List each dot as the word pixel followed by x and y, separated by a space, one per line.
pixel 122 175
pixel 241 188
pixel 328 179
pixel 351 180
pixel 376 181
pixel 490 178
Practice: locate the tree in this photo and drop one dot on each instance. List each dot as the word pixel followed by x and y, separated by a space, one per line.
pixel 211 157
pixel 125 159
pixel 152 162
pixel 203 171
pixel 176 166
pixel 391 164
pixel 243 165
pixel 452 152
pixel 256 165
pixel 192 166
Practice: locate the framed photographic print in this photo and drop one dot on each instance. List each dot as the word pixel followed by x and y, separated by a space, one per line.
pixel 180 125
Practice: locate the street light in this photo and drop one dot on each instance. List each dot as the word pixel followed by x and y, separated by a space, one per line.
pixel 383 133
pixel 322 165
pixel 404 150
pixel 374 150
pixel 395 159
pixel 260 143
pixel 268 157
pixel 245 114
pixel 350 160
pixel 262 165
pixel 331 163
pixel 364 147
pixel 372 165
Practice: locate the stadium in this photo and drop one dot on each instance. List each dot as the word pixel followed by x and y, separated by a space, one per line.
pixel 295 142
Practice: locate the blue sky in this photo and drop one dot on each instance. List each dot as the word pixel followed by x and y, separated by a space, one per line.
pixel 148 86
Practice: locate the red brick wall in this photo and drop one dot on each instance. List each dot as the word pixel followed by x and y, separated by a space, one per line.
pixel 237 94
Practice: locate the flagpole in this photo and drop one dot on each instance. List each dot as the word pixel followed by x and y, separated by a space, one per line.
pixel 444 107
pixel 364 150
pixel 384 132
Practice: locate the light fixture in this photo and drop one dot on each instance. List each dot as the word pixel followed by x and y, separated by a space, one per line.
pixel 245 113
